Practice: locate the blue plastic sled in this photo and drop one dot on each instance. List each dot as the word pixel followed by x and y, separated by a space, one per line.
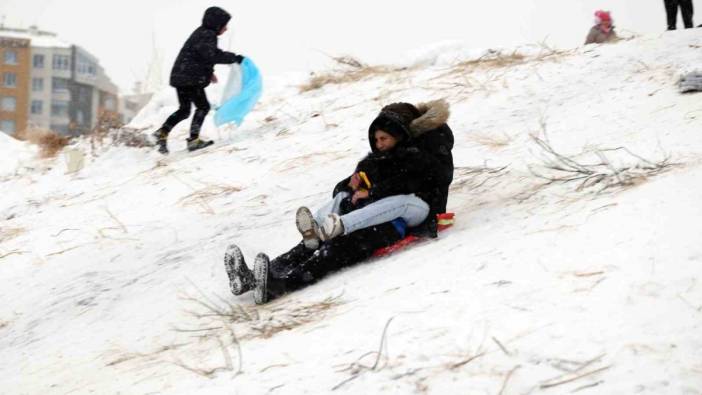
pixel 243 89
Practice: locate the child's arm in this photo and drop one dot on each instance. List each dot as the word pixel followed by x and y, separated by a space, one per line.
pixel 208 49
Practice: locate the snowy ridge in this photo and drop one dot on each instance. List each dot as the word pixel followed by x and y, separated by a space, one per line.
pixel 112 278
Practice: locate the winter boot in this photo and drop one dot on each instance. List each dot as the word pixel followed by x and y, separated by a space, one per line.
pixel 241 278
pixel 261 275
pixel 308 227
pixel 195 143
pixel 161 140
pixel 332 227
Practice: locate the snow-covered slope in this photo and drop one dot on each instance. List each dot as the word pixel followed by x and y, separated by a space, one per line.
pixel 112 278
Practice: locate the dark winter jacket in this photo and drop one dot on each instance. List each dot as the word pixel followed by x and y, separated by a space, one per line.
pixel 401 171
pixel 431 134
pixel 195 62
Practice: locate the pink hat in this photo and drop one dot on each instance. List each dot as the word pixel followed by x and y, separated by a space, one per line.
pixel 602 16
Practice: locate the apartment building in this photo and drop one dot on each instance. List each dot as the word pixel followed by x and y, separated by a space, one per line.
pixel 14 83
pixel 68 91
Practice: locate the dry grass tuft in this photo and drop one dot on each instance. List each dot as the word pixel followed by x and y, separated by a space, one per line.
pixel 473 178
pixel 492 141
pixel 493 59
pixel 9 233
pixel 50 143
pixel 255 321
pixel 349 70
pixel 203 196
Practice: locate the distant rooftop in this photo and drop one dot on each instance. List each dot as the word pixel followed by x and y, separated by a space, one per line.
pixel 38 38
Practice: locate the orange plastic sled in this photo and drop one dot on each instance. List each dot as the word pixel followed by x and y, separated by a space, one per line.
pixel 443 221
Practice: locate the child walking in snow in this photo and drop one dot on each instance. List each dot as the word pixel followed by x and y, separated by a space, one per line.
pixel 395 169
pixel 192 71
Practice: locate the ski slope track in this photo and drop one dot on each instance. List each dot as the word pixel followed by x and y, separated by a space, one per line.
pixel 112 280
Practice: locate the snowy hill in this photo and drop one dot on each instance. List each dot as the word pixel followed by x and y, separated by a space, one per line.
pixel 112 278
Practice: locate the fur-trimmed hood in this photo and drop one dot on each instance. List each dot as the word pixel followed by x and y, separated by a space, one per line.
pixel 434 114
pixel 407 121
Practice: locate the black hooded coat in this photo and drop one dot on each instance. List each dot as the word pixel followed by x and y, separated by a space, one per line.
pixel 195 62
pixel 422 165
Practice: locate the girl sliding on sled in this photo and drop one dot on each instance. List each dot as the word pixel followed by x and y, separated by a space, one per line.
pixel 396 187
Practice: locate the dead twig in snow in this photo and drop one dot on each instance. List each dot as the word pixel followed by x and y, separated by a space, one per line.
pixel 603 173
pixel 467 361
pixel 63 230
pixel 502 347
pixel 210 373
pixel 507 377
pixel 557 383
pixel 586 386
pixel 336 387
pixel 357 368
pixel 121 225
pixel 15 252
pixel 382 342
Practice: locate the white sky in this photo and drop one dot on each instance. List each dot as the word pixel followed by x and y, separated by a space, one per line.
pixel 292 35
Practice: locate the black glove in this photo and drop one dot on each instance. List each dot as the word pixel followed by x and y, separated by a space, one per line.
pixel 238 59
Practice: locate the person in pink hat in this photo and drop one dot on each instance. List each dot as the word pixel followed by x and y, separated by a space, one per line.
pixel 603 31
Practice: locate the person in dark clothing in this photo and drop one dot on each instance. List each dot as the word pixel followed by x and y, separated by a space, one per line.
pixel 430 133
pixel 192 71
pixel 394 167
pixel 671 10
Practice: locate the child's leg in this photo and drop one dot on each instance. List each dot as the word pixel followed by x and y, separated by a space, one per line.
pixel 332 206
pixel 284 274
pixel 202 107
pixel 408 207
pixel 183 112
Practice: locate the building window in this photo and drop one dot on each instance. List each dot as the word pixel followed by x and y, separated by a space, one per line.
pixel 60 129
pixel 110 104
pixel 59 84
pixel 37 106
pixel 10 57
pixel 59 108
pixel 37 84
pixel 38 61
pixel 7 126
pixel 61 62
pixel 10 80
pixel 8 103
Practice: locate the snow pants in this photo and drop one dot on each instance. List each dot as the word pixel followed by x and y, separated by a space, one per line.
pixel 302 266
pixel 671 10
pixel 187 96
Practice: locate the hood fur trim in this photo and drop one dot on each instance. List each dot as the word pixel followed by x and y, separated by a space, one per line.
pixel 434 114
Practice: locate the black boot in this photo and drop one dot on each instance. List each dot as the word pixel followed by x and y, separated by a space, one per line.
pixel 261 275
pixel 161 138
pixel 241 279
pixel 195 143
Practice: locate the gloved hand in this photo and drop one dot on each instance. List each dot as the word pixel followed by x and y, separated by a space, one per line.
pixel 238 59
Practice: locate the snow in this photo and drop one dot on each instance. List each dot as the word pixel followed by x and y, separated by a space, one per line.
pixel 16 154
pixel 38 40
pixel 106 274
